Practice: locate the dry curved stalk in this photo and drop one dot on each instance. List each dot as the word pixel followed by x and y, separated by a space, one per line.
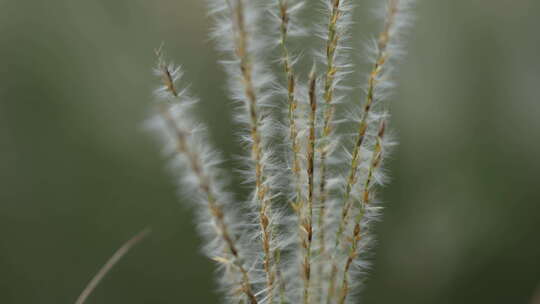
pixel 111 262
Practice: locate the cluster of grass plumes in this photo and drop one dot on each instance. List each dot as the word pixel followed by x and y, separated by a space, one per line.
pixel 303 234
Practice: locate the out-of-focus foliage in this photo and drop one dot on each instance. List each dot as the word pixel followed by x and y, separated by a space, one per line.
pixel 78 176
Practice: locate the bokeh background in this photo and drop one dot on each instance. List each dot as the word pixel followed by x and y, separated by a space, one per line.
pixel 79 176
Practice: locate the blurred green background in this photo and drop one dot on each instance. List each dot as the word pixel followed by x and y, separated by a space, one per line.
pixel 79 176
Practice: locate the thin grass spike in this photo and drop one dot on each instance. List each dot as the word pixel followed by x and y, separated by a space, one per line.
pixel 365 200
pixel 237 36
pixel 386 48
pixel 336 29
pixel 178 129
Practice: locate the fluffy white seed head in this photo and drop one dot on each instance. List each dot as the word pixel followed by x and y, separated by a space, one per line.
pixel 291 240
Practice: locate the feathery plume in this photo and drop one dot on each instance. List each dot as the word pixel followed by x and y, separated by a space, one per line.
pixel 198 163
pixel 284 17
pixel 292 260
pixel 388 47
pixel 336 64
pixel 237 35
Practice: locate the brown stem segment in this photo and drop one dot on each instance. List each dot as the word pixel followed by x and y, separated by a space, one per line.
pixel 381 59
pixel 364 202
pixel 262 190
pixel 332 44
pixel 292 102
pixel 307 221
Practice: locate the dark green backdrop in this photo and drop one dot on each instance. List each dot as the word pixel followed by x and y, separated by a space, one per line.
pixel 78 176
